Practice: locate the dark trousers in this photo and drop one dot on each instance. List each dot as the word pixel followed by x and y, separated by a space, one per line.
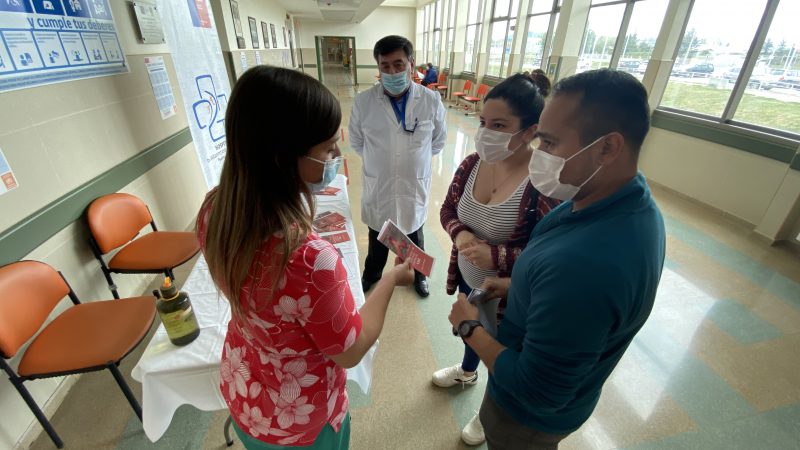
pixel 503 432
pixel 377 254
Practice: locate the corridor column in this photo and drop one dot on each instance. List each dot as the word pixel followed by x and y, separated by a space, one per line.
pixel 563 60
pixel 666 48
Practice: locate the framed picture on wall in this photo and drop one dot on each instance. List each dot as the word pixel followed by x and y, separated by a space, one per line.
pixel 265 32
pixel 253 31
pixel 285 44
pixel 274 38
pixel 237 25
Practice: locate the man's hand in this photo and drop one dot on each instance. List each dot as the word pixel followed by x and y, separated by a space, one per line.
pixel 462 310
pixel 496 287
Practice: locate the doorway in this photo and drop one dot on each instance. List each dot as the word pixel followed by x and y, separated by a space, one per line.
pixel 336 60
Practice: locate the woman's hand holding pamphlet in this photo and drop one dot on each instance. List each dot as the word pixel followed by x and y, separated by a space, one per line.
pixel 401 245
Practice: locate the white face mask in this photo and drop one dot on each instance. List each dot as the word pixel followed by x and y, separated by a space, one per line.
pixel 544 171
pixel 395 83
pixel 492 146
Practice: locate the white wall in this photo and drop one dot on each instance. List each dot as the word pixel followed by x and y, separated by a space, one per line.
pixel 384 21
pixel 737 182
pixel 760 191
pixel 60 136
pixel 263 11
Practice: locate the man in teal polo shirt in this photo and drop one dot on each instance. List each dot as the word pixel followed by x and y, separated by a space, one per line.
pixel 586 282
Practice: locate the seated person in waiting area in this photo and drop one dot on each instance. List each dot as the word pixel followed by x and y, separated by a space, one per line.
pixel 431 76
pixel 294 326
pixel 586 282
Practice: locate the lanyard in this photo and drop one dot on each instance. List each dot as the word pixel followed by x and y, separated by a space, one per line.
pixel 400 111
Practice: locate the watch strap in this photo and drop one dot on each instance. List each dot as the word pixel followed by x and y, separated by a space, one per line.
pixel 472 325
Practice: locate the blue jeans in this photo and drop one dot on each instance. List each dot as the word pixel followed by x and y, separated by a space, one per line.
pixel 471 359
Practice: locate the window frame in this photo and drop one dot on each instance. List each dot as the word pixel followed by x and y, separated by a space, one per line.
pixel 425 32
pixel 507 19
pixel 437 28
pixel 452 10
pixel 554 12
pixel 478 24
pixel 725 123
pixel 616 52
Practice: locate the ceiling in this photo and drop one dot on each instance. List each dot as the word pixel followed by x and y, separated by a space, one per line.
pixel 341 11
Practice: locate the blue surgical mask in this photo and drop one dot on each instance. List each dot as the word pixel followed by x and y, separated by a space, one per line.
pixel 395 83
pixel 328 174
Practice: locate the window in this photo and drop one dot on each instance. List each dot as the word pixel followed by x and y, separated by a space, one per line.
pixel 437 33
pixel 501 36
pixel 601 34
pixel 742 71
pixel 425 33
pixel 541 24
pixel 450 33
pixel 641 35
pixel 621 34
pixel 429 26
pixel 772 93
pixel 711 55
pixel 473 34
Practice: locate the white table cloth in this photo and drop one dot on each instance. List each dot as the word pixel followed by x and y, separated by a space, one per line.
pixel 172 376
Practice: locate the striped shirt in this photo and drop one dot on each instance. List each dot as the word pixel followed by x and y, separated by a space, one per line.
pixel 491 223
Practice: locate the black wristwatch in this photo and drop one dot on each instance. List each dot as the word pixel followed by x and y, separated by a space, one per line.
pixel 466 327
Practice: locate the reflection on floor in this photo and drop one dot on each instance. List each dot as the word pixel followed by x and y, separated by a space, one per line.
pixel 716 367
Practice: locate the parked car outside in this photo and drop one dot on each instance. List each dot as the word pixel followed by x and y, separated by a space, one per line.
pixel 759 79
pixel 697 70
pixel 789 79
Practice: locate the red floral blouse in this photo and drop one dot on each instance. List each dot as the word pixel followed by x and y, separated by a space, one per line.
pixel 276 375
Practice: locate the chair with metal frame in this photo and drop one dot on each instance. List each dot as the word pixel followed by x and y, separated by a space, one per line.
pixel 440 80
pixel 461 94
pixel 85 337
pixel 442 87
pixel 115 220
pixel 473 101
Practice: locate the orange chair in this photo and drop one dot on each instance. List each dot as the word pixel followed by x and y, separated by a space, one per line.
pixel 442 85
pixel 86 337
pixel 115 220
pixel 473 101
pixel 459 95
pixel 440 80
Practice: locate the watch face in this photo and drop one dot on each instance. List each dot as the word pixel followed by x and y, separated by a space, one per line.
pixel 464 328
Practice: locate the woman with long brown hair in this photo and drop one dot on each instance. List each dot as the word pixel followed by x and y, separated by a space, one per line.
pixel 294 327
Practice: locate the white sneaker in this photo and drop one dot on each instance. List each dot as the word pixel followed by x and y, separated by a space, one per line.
pixel 451 376
pixel 472 434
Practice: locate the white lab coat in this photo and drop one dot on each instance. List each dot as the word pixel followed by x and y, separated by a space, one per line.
pixel 397 164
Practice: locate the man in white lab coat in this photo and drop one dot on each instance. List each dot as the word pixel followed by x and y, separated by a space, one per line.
pixel 396 126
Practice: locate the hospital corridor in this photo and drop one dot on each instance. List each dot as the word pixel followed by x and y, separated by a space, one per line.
pixel 152 148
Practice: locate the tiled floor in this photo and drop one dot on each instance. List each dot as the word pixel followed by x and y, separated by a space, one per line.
pixel 716 367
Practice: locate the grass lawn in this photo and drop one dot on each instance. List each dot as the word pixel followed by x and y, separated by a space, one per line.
pixel 754 109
